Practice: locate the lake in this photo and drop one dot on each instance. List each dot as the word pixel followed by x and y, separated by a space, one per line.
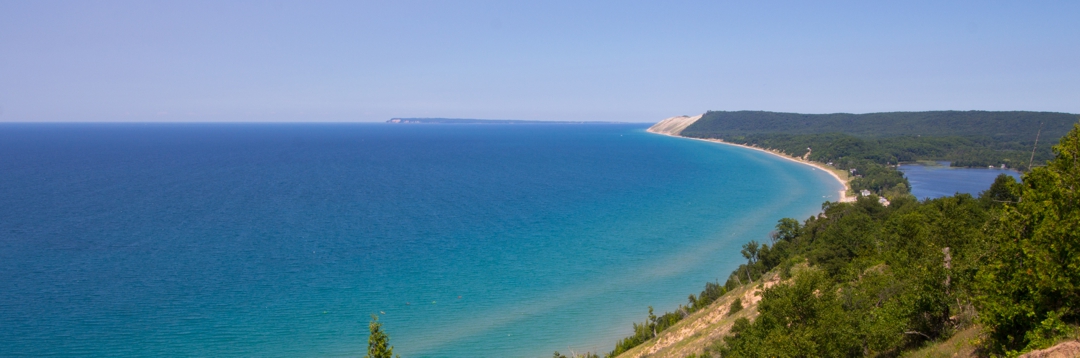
pixel 935 181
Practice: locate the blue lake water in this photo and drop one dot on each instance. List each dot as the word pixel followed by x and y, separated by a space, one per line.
pixel 935 181
pixel 280 240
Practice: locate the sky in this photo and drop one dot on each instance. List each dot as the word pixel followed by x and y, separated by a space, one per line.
pixel 360 61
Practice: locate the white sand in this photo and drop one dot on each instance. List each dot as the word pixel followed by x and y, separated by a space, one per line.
pixel 673 126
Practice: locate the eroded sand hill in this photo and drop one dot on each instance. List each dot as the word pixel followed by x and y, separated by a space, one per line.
pixel 674 125
pixel 695 332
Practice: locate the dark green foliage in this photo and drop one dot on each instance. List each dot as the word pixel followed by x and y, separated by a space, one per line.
pixel 1029 286
pixel 887 279
pixel 1002 126
pixel 1004 190
pixel 801 320
pixel 649 329
pixel 642 332
pixel 378 343
pixel 869 146
pixel 996 127
pixel 971 138
pixel 711 292
pixel 786 230
pixel 736 306
pixel 882 280
pixel 879 283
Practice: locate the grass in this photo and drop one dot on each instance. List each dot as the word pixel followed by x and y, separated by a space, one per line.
pixel 962 344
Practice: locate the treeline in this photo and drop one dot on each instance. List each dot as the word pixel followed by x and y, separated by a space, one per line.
pixel 880 280
pixel 863 279
pixel 967 139
pixel 999 127
pixel 872 162
pixel 891 150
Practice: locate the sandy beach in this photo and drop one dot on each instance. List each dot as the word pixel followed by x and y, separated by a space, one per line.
pixel 844 197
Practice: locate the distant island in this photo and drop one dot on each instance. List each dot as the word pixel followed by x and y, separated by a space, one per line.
pixel 486 121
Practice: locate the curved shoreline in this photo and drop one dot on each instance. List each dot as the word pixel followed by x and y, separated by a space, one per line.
pixel 844 197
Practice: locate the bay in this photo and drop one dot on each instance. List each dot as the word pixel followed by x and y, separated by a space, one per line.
pixel 281 240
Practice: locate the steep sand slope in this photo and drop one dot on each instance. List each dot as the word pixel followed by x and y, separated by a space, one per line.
pixel 674 125
pixel 1063 350
pixel 699 330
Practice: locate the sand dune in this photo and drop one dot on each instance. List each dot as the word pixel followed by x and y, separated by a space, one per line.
pixel 674 125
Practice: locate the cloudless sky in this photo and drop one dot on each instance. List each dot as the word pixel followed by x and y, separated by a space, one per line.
pixel 542 60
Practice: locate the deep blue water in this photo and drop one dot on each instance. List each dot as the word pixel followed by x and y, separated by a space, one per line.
pixel 935 181
pixel 282 239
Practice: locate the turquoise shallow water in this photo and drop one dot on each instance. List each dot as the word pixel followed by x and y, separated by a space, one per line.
pixel 282 239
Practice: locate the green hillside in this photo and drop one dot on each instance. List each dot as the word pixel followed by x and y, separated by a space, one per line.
pixel 990 275
pixel 968 139
pixel 1000 126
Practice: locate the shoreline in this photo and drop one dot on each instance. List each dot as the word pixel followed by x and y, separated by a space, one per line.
pixel 844 197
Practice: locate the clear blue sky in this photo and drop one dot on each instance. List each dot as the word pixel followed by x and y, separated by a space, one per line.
pixel 543 60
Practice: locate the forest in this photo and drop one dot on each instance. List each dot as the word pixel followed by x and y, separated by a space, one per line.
pixel 864 279
pixel 1000 127
pixel 870 146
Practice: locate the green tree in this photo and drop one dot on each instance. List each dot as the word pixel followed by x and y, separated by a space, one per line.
pixel 735 307
pixel 1005 190
pixel 803 319
pixel 378 343
pixel 1029 287
pixel 750 252
pixel 786 230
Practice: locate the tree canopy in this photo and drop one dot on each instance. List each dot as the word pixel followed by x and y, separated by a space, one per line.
pixel 378 342
pixel 1030 280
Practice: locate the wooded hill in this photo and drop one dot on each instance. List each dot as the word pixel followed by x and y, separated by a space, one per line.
pixel 883 281
pixel 971 138
pixel 1001 126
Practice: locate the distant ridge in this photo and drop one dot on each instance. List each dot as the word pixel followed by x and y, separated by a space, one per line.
pixel 964 138
pixel 484 121
pixel 999 125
